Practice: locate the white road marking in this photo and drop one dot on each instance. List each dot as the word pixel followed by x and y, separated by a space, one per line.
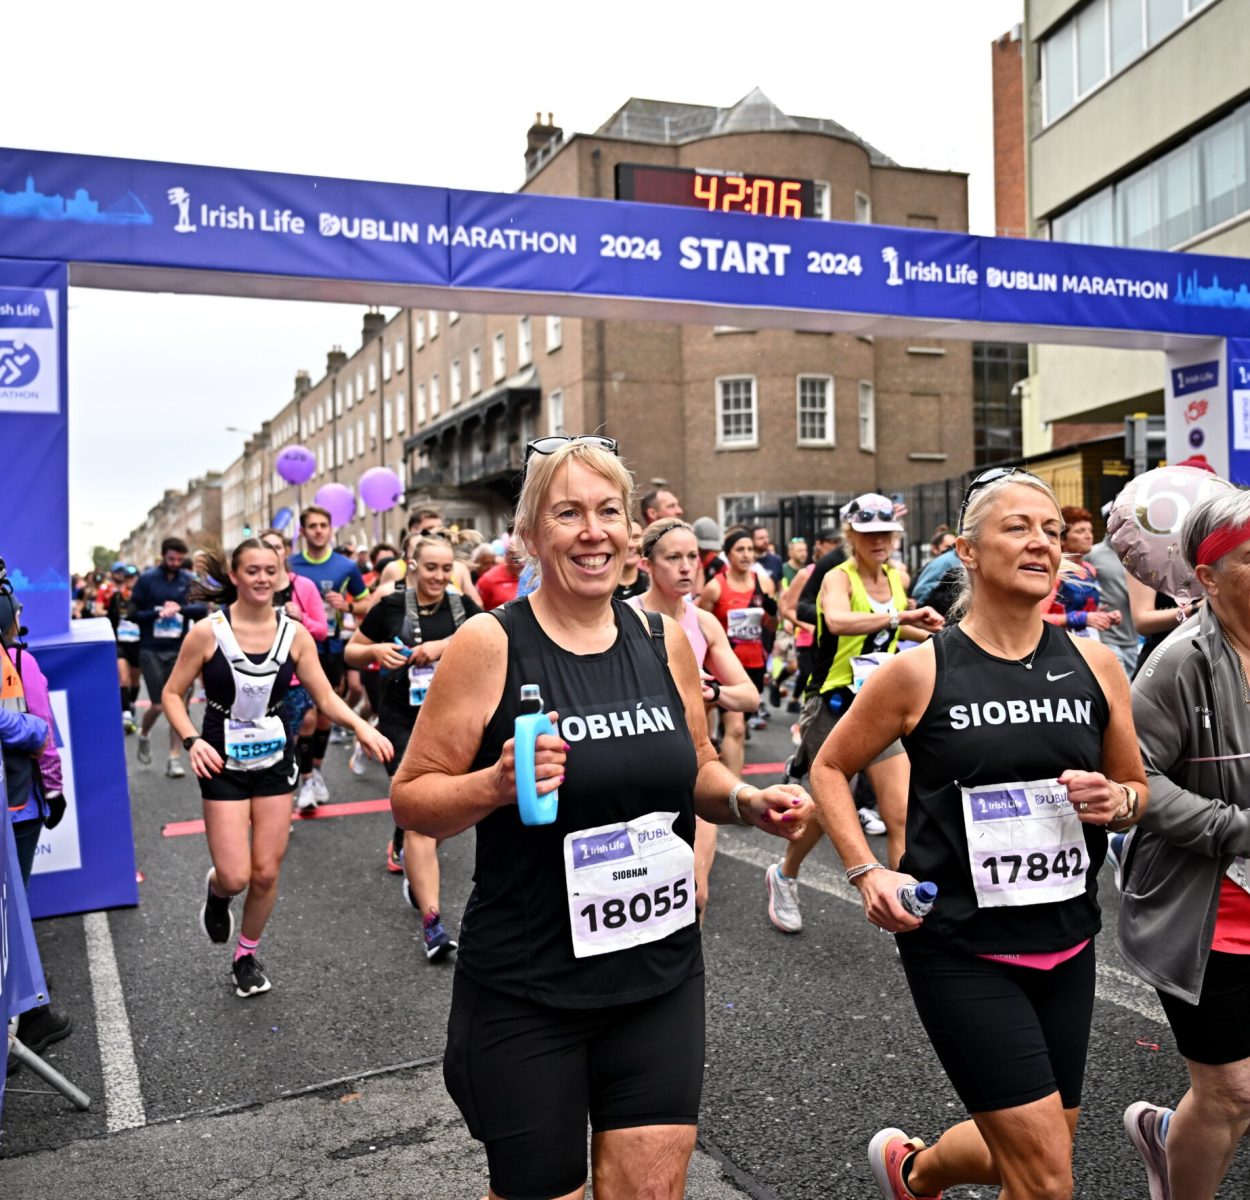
pixel 1113 985
pixel 123 1099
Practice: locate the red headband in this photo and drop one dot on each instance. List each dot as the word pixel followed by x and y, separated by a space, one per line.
pixel 1215 545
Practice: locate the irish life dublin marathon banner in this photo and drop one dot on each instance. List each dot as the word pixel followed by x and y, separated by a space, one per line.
pixel 145 224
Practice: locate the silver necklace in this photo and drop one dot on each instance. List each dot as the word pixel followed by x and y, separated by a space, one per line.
pixel 1028 666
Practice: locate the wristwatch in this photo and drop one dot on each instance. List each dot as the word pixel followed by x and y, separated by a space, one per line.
pixel 714 684
pixel 893 625
pixel 188 742
pixel 734 810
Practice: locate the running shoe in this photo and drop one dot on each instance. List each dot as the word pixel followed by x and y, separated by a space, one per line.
pixel 783 900
pixel 774 694
pixel 249 976
pixel 873 825
pixel 787 771
pixel 128 722
pixel 358 762
pixel 394 858
pixel 408 896
pixel 887 1152
pixel 438 945
pixel 306 797
pixel 321 793
pixel 1115 856
pixel 338 735
pixel 174 769
pixel 143 749
pixel 39 1028
pixel 216 919
pixel 1143 1122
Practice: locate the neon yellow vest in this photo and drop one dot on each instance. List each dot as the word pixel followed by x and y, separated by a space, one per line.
pixel 851 645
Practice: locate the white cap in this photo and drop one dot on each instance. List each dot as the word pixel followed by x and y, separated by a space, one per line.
pixel 871 513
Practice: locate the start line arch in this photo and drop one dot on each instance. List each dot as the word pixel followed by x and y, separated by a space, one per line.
pixel 152 226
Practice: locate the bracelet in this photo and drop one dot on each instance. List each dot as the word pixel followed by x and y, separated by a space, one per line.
pixel 853 873
pixel 714 684
pixel 734 810
pixel 1181 615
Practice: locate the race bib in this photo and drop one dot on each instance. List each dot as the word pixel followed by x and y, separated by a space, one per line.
pixel 1239 872
pixel 254 745
pixel 628 884
pixel 127 631
pixel 168 627
pixel 863 665
pixel 419 683
pixel 1026 844
pixel 746 624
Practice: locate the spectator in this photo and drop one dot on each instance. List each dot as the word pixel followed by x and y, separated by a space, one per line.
pixel 658 503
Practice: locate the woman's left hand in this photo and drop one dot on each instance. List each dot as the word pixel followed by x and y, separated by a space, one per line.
pixel 374 744
pixel 783 809
pixel 1094 797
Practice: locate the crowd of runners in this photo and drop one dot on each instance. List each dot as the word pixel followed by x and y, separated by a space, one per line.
pixel 977 720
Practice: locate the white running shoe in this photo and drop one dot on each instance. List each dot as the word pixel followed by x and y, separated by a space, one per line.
pixel 873 825
pixel 320 792
pixel 174 769
pixel 783 900
pixel 306 797
pixel 338 735
pixel 358 762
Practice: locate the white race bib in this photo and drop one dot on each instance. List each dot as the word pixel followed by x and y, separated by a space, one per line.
pixel 863 665
pixel 127 631
pixel 746 624
pixel 1026 844
pixel 419 683
pixel 167 627
pixel 628 884
pixel 254 745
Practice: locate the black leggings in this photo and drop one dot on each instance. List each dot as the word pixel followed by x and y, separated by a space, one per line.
pixel 525 1076
pixel 1005 1035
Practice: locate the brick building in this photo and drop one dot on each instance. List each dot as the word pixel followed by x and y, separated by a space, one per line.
pixel 195 515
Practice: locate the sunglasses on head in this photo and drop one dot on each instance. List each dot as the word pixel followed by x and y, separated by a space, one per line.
pixel 993 475
pixel 855 513
pixel 549 445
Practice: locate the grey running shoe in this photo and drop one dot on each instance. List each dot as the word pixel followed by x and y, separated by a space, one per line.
pixel 174 769
pixel 1143 1122
pixel 143 749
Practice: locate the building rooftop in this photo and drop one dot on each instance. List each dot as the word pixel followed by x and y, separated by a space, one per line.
pixel 670 123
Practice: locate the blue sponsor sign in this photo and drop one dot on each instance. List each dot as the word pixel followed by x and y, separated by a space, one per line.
pixel 149 224
pixel 598 848
pixel 1195 378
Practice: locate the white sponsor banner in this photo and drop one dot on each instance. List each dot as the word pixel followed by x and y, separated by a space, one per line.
pixel 30 366
pixel 1196 406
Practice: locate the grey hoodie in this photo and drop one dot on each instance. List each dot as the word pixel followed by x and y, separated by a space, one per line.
pixel 1194 728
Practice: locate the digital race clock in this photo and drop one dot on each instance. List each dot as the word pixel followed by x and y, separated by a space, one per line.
pixel 716 191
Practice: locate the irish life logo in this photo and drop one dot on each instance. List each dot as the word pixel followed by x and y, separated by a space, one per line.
pixel 29 367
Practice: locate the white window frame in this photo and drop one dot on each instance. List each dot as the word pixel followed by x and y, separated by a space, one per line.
pixel 555 333
pixel 555 412
pixel 433 324
pixel 360 435
pixel 388 419
pixel 386 364
pixel 728 506
pixel 828 439
pixel 475 370
pixel 400 357
pixel 338 400
pixel 373 429
pixel 401 411
pixel 436 395
pixel 822 200
pixel 863 208
pixel 525 341
pixel 867 400
pixel 420 405
pixel 453 316
pixel 499 357
pixel 456 386
pixel 373 377
pixel 736 443
pixel 419 332
pixel 349 441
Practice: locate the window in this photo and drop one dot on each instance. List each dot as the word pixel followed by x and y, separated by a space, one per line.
pixel 338 401
pixel 475 370
pixel 455 381
pixel 399 355
pixel 452 317
pixel 555 413
pixel 737 509
pixel 1058 73
pixel 815 411
pixel 420 404
pixel 388 420
pixel 321 458
pixel 525 342
pixel 499 357
pixel 735 411
pixel 863 209
pixel 822 201
pixel 1162 16
pixel 1126 33
pixel 360 389
pixel 1090 28
pixel 386 366
pixel 349 442
pixel 401 411
pixel 360 434
pixel 373 429
pixel 373 378
pixel 419 332
pixel 555 334
pixel 433 325
pixel 867 417
pixel 435 396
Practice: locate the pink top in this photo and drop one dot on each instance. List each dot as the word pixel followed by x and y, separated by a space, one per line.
pixel 306 597
pixel 689 623
pixel 805 637
pixel 35 686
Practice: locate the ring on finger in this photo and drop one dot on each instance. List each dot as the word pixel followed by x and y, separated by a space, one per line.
pixel 1083 806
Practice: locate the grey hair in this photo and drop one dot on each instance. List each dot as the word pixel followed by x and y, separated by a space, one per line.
pixel 1224 510
pixel 974 518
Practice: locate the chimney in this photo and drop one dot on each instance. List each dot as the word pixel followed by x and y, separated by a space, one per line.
pixel 336 359
pixel 303 382
pixel 374 323
pixel 540 138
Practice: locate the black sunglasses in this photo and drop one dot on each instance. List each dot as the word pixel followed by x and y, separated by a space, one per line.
pixel 549 445
pixel 853 514
pixel 984 480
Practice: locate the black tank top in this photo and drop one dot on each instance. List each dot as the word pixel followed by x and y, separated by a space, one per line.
pixel 219 692
pixel 991 721
pixel 516 936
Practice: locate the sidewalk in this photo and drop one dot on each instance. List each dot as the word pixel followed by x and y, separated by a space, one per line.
pixel 394 1137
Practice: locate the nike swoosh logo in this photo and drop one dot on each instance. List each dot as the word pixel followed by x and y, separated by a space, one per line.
pixel 1055 678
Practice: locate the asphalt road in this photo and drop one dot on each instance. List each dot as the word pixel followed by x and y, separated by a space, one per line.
pixel 329 1085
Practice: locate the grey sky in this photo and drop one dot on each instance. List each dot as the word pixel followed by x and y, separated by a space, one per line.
pixel 402 92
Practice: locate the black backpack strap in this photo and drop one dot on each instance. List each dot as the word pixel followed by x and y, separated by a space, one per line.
pixel 456 601
pixel 410 632
pixel 656 622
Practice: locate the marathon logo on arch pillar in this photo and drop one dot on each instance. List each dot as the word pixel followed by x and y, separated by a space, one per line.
pixel 29 362
pixel 1196 378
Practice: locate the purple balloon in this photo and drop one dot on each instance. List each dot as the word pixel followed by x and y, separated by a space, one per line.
pixel 381 489
pixel 296 464
pixel 339 501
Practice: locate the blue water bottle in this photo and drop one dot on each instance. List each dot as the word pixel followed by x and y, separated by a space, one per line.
pixel 918 898
pixel 535 809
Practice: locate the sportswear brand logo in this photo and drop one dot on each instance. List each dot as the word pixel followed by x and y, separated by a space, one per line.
pixel 1055 678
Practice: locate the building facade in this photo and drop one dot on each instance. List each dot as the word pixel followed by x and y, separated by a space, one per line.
pixel 1137 119
pixel 195 515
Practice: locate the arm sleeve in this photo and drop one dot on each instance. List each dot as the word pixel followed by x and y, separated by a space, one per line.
pixel 1203 824
pixel 309 600
pixel 22 731
pixel 35 684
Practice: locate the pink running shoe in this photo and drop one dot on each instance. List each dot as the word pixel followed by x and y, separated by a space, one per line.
pixel 1142 1123
pixel 887 1152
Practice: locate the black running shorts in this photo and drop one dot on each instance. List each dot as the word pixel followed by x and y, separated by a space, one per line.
pixel 157 666
pixel 1005 1035
pixel 245 785
pixel 1214 1031
pixel 525 1076
pixel 128 652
